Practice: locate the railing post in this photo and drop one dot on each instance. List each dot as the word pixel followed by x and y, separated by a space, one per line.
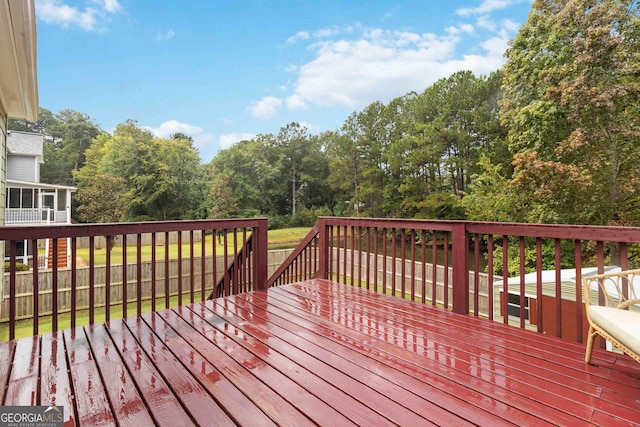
pixel 460 252
pixel 261 252
pixel 323 255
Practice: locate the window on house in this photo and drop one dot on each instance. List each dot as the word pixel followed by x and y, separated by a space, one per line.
pixel 14 198
pixel 62 200
pixel 27 198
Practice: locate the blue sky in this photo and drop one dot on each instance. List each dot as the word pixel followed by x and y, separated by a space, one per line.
pixel 225 70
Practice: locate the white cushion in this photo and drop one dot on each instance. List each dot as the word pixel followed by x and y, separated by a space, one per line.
pixel 623 325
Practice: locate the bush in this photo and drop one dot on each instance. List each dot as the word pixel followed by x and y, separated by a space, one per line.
pixel 305 217
pixel 19 266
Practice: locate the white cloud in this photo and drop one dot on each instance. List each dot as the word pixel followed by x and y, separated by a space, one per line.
pixel 57 12
pixel 295 102
pixel 266 108
pixel 487 23
pixel 486 6
pixel 112 6
pixel 165 36
pixel 326 32
pixel 510 25
pixel 229 139
pixel 383 64
pixel 168 128
pixel 300 35
pixel 380 65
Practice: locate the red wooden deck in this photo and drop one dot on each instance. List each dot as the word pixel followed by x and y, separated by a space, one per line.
pixel 316 352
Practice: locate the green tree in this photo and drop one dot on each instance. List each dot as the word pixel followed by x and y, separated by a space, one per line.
pixel 571 93
pixel 164 178
pixel 67 138
pixel 223 201
pixel 103 199
pixel 293 145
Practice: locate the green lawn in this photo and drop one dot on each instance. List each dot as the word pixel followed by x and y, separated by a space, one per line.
pixel 278 239
pixel 24 328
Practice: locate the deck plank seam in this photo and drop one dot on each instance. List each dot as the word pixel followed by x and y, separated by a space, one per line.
pixel 315 342
pixel 477 386
pixel 573 360
pixel 367 389
pixel 272 353
pixel 427 375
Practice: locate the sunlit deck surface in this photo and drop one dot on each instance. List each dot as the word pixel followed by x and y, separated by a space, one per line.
pixel 317 353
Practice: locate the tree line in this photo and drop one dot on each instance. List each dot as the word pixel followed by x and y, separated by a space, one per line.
pixel 552 137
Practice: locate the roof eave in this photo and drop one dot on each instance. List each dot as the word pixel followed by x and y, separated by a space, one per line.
pixel 18 71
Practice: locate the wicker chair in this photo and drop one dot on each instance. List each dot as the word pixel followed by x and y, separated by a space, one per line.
pixel 612 303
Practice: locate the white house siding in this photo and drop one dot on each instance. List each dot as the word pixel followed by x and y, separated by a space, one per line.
pixel 3 176
pixel 22 168
pixel 3 163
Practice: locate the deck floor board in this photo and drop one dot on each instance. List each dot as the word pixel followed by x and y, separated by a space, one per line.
pixel 316 352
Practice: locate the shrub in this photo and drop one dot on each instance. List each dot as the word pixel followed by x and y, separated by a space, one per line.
pixel 19 266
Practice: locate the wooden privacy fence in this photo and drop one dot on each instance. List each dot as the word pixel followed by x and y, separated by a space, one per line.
pixel 398 278
pixel 164 287
pixel 24 282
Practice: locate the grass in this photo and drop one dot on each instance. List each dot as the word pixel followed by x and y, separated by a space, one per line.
pixel 24 328
pixel 278 239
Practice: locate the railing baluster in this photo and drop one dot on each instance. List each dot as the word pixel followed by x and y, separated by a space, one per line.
pixel 192 284
pixel 393 262
pixel 180 268
pixel 338 254
pixel 54 288
pixel 539 284
pixel 558 267
pixel 413 264
pixel 423 258
pixel 226 264
pixel 434 267
pixel 375 259
pixel 446 269
pixel 107 288
pixel 384 260
pixel 504 301
pixel 353 254
pixel 214 243
pixel 345 246
pixel 235 262
pixel 577 250
pixel 203 265
pixel 490 289
pixel 522 288
pixel 36 287
pixel 13 253
pixel 125 279
pixel 154 273
pixel 403 266
pixel 139 274
pixel 167 288
pixel 92 280
pixel 74 283
pixel 476 274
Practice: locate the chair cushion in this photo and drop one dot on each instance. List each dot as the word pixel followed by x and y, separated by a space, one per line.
pixel 624 325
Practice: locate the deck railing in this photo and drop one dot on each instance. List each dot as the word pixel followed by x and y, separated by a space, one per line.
pixel 523 274
pixel 527 275
pixel 34 216
pixel 127 278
